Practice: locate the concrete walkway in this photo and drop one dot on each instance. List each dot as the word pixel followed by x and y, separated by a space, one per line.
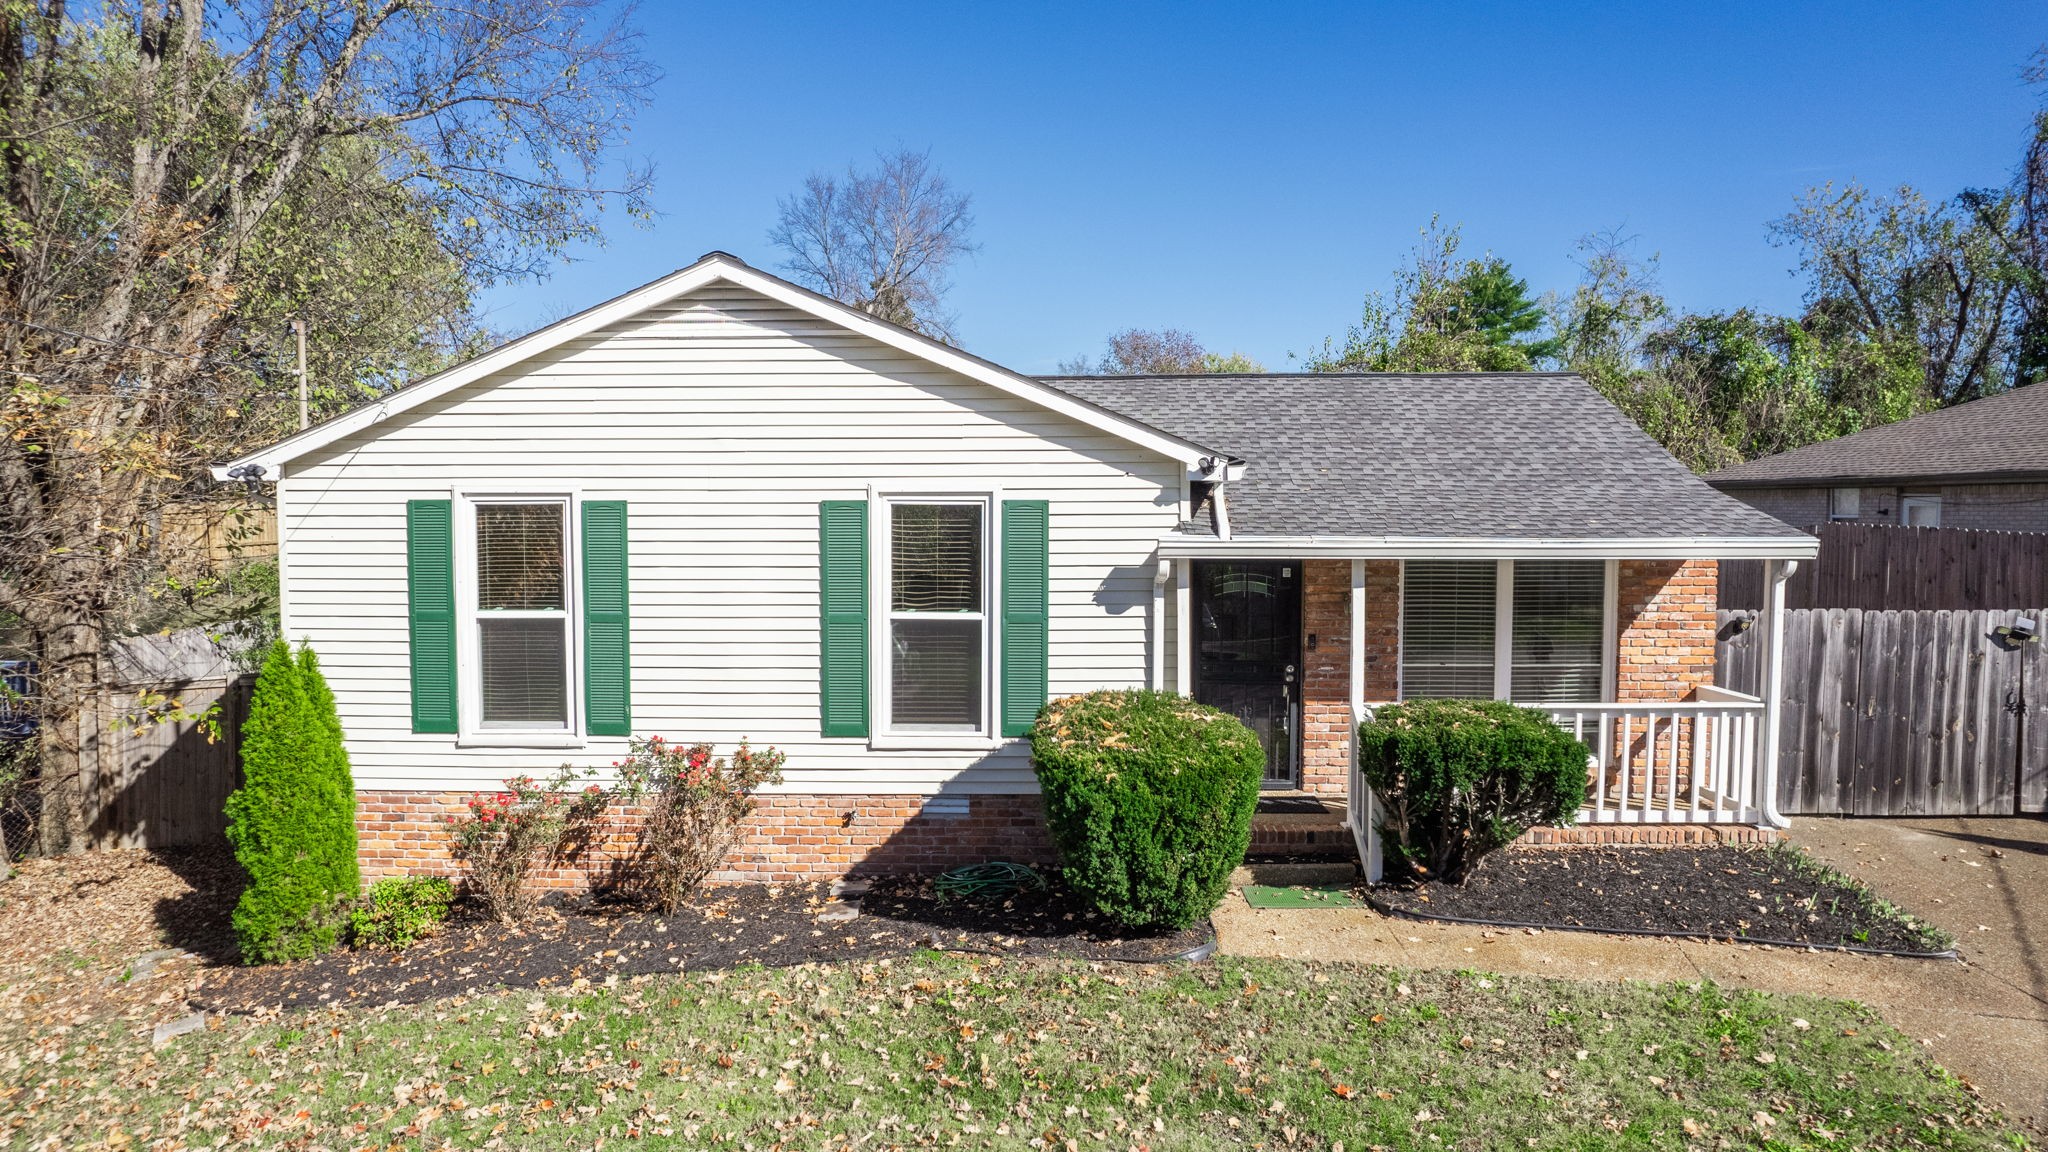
pixel 1985 1019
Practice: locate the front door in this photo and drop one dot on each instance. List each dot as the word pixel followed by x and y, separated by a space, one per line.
pixel 1247 631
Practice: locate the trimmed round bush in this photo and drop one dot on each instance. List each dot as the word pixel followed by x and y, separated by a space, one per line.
pixel 293 820
pixel 1149 797
pixel 1456 779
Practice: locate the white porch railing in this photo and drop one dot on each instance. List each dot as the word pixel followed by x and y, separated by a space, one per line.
pixel 1671 762
pixel 1664 762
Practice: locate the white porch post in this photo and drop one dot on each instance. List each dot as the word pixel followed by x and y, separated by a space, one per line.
pixel 1776 572
pixel 1359 805
pixel 1183 633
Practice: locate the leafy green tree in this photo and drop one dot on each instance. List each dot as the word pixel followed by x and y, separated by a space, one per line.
pixel 176 180
pixel 1897 270
pixel 1158 352
pixel 1234 363
pixel 1497 306
pixel 293 821
pixel 1445 314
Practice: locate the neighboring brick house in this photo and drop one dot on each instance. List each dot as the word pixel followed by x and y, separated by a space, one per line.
pixel 1982 465
pixel 723 507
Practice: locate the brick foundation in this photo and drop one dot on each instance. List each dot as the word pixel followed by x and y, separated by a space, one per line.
pixel 1687 835
pixel 789 837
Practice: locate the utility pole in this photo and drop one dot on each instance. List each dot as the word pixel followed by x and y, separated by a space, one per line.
pixel 305 409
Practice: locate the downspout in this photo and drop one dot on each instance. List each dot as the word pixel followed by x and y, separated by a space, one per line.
pixel 1776 573
pixel 1222 508
pixel 1159 578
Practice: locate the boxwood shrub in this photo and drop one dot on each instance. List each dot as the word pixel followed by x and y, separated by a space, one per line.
pixel 1456 779
pixel 1149 797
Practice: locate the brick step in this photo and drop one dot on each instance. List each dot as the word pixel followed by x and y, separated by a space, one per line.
pixel 1300 825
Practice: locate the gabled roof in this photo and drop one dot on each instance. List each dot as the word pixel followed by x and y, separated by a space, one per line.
pixel 1501 456
pixel 711 268
pixel 2002 437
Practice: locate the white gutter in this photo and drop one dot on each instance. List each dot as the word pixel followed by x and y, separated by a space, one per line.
pixel 1222 507
pixel 1775 576
pixel 1492 548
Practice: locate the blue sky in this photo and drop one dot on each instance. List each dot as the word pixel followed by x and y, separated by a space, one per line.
pixel 1249 172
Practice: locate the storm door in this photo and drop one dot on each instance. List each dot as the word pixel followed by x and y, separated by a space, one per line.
pixel 1247 631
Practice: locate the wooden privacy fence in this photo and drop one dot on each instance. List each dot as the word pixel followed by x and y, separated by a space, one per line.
pixel 1895 713
pixel 1890 566
pixel 160 782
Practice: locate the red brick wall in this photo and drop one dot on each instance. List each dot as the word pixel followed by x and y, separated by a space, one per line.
pixel 790 837
pixel 1665 622
pixel 1326 676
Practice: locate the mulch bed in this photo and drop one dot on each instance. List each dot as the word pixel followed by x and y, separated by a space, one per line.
pixel 1724 892
pixel 727 926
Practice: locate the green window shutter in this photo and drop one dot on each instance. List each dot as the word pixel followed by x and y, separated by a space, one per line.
pixel 1027 613
pixel 430 611
pixel 607 621
pixel 843 609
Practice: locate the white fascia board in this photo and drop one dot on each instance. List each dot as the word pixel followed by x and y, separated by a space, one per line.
pixel 686 280
pixel 1491 548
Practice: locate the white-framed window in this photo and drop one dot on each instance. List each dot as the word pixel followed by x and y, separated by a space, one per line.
pixel 1920 511
pixel 516 596
pixel 1531 631
pixel 1845 503
pixel 935 558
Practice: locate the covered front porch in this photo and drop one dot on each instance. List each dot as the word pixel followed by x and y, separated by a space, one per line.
pixel 1617 648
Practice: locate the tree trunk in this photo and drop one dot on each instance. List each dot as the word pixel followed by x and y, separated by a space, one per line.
pixel 69 674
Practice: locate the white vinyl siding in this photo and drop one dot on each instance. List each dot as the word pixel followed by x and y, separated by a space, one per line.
pixel 723 418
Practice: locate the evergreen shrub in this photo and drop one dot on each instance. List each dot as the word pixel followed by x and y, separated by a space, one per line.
pixel 1457 779
pixel 1149 797
pixel 293 821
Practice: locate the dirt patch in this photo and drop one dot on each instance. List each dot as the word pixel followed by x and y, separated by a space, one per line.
pixel 1725 891
pixel 728 926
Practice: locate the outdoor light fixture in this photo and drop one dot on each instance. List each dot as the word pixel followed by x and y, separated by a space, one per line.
pixel 2020 631
pixel 250 474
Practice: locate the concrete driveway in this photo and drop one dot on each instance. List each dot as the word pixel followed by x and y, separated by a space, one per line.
pixel 1986 880
pixel 1985 1019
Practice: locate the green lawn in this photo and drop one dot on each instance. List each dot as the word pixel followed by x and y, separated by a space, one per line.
pixel 944 1051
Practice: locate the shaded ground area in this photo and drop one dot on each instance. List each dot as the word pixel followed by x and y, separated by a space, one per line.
pixel 1725 892
pixel 108 935
pixel 769 925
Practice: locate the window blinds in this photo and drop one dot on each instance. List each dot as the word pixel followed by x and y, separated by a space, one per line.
pixel 519 557
pixel 1447 628
pixel 1559 627
pixel 935 558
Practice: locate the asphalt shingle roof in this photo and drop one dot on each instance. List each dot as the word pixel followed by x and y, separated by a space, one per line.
pixel 1513 455
pixel 1999 437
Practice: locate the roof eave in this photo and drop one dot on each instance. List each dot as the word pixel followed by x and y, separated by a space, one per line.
pixel 1789 547
pixel 1880 480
